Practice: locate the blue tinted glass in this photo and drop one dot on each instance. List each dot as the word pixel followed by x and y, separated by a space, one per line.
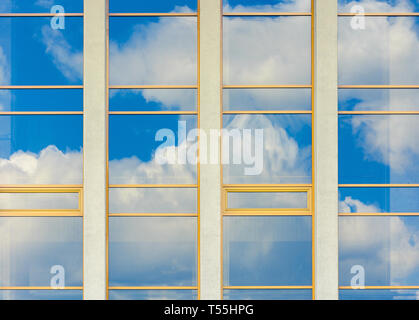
pixel 41 295
pixel 40 6
pixel 155 6
pixel 378 6
pixel 31 247
pixel 267 251
pixel 56 56
pixel 266 6
pixel 288 294
pixel 41 100
pixel 382 294
pixel 157 251
pixel 153 295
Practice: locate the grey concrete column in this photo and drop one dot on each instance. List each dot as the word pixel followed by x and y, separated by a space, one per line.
pixel 326 151
pixel 210 109
pixel 94 149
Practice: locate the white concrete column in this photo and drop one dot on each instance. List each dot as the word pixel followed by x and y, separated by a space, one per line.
pixel 326 151
pixel 210 109
pixel 94 149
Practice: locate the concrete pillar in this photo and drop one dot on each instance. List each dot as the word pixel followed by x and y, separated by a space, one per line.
pixel 210 179
pixel 326 151
pixel 95 123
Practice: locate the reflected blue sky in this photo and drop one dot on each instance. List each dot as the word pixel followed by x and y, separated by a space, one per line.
pixel 379 294
pixel 267 295
pixel 155 6
pixel 267 5
pixel 153 295
pixel 40 6
pixel 41 295
pixel 377 6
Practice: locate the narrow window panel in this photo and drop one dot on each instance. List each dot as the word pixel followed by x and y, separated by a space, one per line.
pixel 237 6
pixel 153 51
pixel 378 149
pixel 274 294
pixel 37 201
pixel 254 53
pixel 267 251
pixel 266 99
pixel 39 100
pixel 379 200
pixel 33 6
pixel 56 55
pixel 153 100
pixel 267 200
pixel 133 146
pixel 31 247
pixel 283 157
pixel 378 99
pixel 153 294
pixel 381 294
pixel 43 149
pixel 152 251
pixel 378 6
pixel 41 295
pixel 153 200
pixel 155 6
pixel 376 55
pixel 381 250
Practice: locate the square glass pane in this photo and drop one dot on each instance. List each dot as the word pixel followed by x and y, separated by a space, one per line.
pixel 153 100
pixel 155 6
pixel 153 200
pixel 378 99
pixel 378 251
pixel 33 249
pixel 40 6
pixel 289 294
pixel 41 149
pixel 56 55
pixel 266 99
pixel 374 200
pixel 267 149
pixel 153 51
pixel 157 251
pixel 255 54
pixel 378 149
pixel 382 53
pixel 151 149
pixel 153 295
pixel 235 6
pixel 267 251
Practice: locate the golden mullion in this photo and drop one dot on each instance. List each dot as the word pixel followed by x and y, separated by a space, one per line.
pixel 152 288
pixel 266 287
pixel 41 288
pixel 381 14
pixel 153 112
pixel 153 215
pixel 269 86
pixel 18 87
pixel 141 186
pixel 379 214
pixel 268 14
pixel 378 287
pixel 145 14
pixel 126 87
pixel 384 86
pixel 269 112
pixel 378 185
pixel 40 15
pixel 378 112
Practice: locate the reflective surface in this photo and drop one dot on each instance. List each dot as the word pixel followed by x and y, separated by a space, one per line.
pixel 153 200
pixel 31 247
pixel 34 6
pixel 153 51
pixel 280 200
pixel 386 248
pixel 381 294
pixel 378 6
pixel 155 6
pixel 153 295
pixel 39 201
pixel 378 149
pixel 41 295
pixel 288 294
pixel 267 251
pixel 56 55
pixel 152 251
pixel 236 6
pixel 254 53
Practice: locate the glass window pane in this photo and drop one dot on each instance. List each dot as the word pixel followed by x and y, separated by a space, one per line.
pixel 41 295
pixel 284 155
pixel 141 153
pixel 41 149
pixel 382 294
pixel 153 295
pixel 36 201
pixel 267 251
pixel 386 248
pixel 372 200
pixel 153 200
pixel 157 251
pixel 40 6
pixel 266 99
pixel 31 247
pixel 378 6
pixel 56 54
pixel 153 51
pixel 266 6
pixel 378 99
pixel 383 53
pixel 153 100
pixel 288 294
pixel 271 200
pixel 255 54
pixel 378 149
pixel 155 6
